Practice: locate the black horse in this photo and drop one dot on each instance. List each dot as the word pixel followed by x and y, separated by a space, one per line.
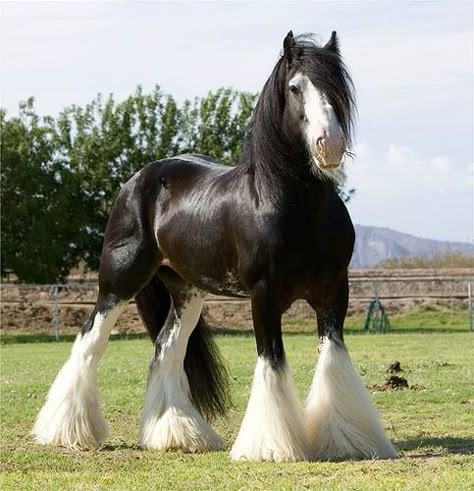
pixel 272 228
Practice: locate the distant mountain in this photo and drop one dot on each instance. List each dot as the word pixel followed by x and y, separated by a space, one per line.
pixel 375 244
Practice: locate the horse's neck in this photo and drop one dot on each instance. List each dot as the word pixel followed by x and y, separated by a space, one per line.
pixel 277 161
pixel 271 156
pixel 285 188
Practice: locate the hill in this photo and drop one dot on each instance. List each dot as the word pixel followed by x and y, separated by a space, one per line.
pixel 376 244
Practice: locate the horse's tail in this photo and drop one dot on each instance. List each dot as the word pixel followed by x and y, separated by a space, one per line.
pixel 207 374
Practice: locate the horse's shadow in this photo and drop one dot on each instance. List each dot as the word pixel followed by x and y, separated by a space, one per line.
pixel 425 447
pixel 451 445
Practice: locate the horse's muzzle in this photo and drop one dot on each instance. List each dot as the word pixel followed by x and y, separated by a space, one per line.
pixel 329 152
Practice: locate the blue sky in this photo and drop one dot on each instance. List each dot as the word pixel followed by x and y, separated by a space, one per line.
pixel 412 64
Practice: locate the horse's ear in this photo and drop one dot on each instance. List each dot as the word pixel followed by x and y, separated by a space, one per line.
pixel 333 43
pixel 288 45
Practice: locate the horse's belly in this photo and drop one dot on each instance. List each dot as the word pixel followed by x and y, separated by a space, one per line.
pixel 208 264
pixel 218 283
pixel 229 285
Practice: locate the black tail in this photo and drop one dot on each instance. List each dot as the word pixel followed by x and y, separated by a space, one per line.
pixel 153 304
pixel 204 366
pixel 207 373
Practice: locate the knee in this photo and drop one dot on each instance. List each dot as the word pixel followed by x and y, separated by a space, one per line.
pixel 273 352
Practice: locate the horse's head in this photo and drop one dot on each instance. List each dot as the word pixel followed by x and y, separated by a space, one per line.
pixel 319 99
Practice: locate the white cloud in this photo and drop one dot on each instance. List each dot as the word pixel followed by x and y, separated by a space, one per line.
pixel 400 189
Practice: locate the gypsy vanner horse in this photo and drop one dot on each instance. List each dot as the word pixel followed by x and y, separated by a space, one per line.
pixel 272 228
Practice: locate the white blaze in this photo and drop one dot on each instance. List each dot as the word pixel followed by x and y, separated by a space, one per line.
pixel 319 124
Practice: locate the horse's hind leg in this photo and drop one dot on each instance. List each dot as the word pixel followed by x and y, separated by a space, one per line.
pixel 71 416
pixel 170 419
pixel 341 421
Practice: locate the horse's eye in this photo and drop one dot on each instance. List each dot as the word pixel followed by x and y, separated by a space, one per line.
pixel 294 89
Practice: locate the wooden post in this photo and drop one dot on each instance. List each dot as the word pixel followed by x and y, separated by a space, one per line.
pixel 56 311
pixel 469 309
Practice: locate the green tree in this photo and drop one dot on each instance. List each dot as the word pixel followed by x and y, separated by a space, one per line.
pixel 447 259
pixel 40 221
pixel 106 142
pixel 215 125
pixel 60 176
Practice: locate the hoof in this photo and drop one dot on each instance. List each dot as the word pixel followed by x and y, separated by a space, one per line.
pixel 177 430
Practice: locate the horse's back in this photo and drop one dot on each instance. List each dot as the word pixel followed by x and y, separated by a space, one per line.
pixel 174 174
pixel 190 163
pixel 199 159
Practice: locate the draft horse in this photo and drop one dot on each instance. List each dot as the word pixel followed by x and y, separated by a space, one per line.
pixel 272 228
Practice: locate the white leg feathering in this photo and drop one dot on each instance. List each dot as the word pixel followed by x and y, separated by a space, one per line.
pixel 341 421
pixel 272 428
pixel 71 416
pixel 169 419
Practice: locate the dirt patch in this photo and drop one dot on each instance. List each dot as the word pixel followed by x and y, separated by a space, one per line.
pixel 394 367
pixel 422 456
pixel 396 382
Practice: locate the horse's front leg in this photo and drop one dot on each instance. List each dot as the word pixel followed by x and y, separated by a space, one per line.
pixel 341 420
pixel 272 428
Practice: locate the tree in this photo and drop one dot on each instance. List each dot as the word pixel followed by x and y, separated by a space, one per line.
pixel 215 125
pixel 60 176
pixel 39 224
pixel 106 142
pixel 447 259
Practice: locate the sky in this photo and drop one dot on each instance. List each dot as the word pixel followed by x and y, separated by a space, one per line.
pixel 412 64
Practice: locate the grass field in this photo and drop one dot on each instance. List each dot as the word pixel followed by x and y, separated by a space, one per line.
pixel 426 319
pixel 431 424
pixel 419 319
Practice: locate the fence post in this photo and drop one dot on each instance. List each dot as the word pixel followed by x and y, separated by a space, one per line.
pixel 469 308
pixel 56 311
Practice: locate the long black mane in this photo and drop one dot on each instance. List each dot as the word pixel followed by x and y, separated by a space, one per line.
pixel 270 145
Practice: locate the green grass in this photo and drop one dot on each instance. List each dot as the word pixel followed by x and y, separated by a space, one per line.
pixel 440 317
pixel 431 425
pixel 426 319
